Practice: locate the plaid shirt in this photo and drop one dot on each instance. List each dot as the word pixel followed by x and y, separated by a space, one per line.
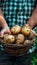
pixel 17 11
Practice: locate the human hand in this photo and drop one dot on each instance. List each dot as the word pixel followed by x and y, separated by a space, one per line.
pixel 5 30
pixel 34 33
pixel 32 37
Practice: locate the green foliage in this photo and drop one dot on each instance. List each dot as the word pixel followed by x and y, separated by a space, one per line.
pixel 34 59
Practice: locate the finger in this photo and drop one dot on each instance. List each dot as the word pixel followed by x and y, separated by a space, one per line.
pixel 34 33
pixel 2 33
pixel 33 40
pixel 7 32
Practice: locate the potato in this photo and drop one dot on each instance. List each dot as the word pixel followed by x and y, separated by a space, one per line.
pixel 26 29
pixel 16 29
pixel 20 39
pixel 29 42
pixel 9 38
pixel 26 42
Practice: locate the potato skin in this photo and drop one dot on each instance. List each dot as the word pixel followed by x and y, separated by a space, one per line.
pixel 26 29
pixel 29 42
pixel 20 39
pixel 9 38
pixel 26 42
pixel 16 29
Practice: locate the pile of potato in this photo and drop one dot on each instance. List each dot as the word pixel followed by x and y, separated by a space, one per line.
pixel 20 35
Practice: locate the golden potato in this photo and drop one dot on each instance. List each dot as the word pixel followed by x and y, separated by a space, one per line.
pixel 20 39
pixel 16 29
pixel 26 42
pixel 26 29
pixel 9 38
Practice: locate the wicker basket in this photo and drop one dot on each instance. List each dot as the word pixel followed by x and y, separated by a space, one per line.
pixel 14 49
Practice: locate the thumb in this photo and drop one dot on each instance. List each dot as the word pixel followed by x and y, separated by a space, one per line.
pixel 2 33
pixel 7 32
pixel 34 33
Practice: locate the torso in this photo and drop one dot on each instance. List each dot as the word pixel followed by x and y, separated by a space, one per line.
pixel 17 11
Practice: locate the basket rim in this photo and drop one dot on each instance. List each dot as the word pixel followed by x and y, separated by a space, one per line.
pixel 5 44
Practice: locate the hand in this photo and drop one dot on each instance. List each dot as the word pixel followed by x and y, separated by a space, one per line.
pixel 32 41
pixel 5 30
pixel 34 33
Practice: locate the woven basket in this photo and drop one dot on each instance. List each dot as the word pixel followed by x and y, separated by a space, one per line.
pixel 14 49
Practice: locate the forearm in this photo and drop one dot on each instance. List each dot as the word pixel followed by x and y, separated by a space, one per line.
pixel 2 20
pixel 33 20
